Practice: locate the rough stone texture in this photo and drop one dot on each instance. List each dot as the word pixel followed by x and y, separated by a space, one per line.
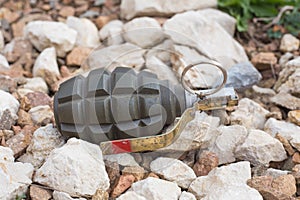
pixel 144 32
pixel 162 71
pixel 285 58
pixel 44 34
pixel 37 193
pixel 7 83
pixel 36 84
pixel 285 129
pixel 294 116
pixel 123 159
pixel 226 182
pixel 173 170
pixel 24 118
pixel 130 195
pixel 124 182
pixel 137 171
pixel 17 48
pixel 287 146
pixel 133 8
pixel 203 35
pixel 9 105
pixel 78 56
pixel 187 196
pixel 260 148
pixel 111 33
pixel 64 196
pixel 286 100
pixel 87 32
pixel 18 143
pixel 289 43
pixel 14 176
pixel 2 43
pixel 264 60
pixel 3 63
pixel 242 75
pixel 44 140
pixel 262 94
pixel 275 172
pixel 33 99
pixel 296 173
pixel 206 162
pixel 117 55
pixel 46 61
pixel 225 20
pixel 227 141
pixel 82 162
pixel 100 195
pixel 154 188
pixel 249 114
pixel 41 115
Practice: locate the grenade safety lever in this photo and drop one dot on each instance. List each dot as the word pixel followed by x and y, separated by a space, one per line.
pixel 124 111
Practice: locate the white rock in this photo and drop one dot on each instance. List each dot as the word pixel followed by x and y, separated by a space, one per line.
pixel 275 172
pixel 64 196
pixel 228 179
pixel 289 43
pixel 41 115
pixel 187 196
pixel 83 163
pixel 111 33
pixel 3 63
pixel 249 114
pixel 44 140
pixel 226 143
pixel 130 195
pixel 144 32
pixel 158 189
pixel 159 68
pixel 292 84
pixel 6 154
pixel 162 51
pixel 8 102
pixel 285 58
pixel 87 32
pixel 260 148
pixel 46 61
pixel 14 179
pixel 132 8
pixel 36 84
pixel 2 43
pixel 173 170
pixel 225 20
pixel 117 55
pixel 191 29
pixel 124 159
pixel 44 34
pixel 287 130
pixel 22 92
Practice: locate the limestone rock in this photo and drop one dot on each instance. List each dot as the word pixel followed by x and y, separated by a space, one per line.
pixel 275 173
pixel 131 195
pixel 260 148
pixel 137 171
pixel 87 32
pixel 243 75
pixel 123 159
pixel 144 32
pixel 291 84
pixel 2 43
pixel 19 142
pixel 82 162
pixel 46 61
pixel 117 55
pixel 224 19
pixel 227 141
pixel 264 60
pixel 173 170
pixel 36 84
pixel 44 34
pixel 7 83
pixel 289 43
pixel 64 196
pixel 9 106
pixel 41 115
pixel 249 114
pixel 294 116
pixel 78 56
pixel 187 196
pixel 225 183
pixel 3 63
pixel 17 48
pixel 44 140
pixel 6 154
pixel 133 8
pixel 111 33
pixel 286 100
pixel 192 30
pixel 37 193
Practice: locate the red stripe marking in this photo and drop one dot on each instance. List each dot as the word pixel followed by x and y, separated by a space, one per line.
pixel 121 146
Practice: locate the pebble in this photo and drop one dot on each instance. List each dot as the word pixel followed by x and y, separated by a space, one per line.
pixel 73 157
pixel 206 162
pixel 9 106
pixel 264 60
pixel 67 11
pixel 100 195
pixel 123 159
pixel 144 32
pixel 275 173
pixel 102 20
pixel 260 148
pixel 41 115
pixel 131 195
pixel 187 196
pixel 286 100
pixel 64 196
pixel 294 116
pixel 3 63
pixel 242 75
pixel 2 42
pixel 226 183
pixel 173 170
pixel 287 146
pixel 24 118
pixel 159 8
pixel 87 32
pixel 111 33
pixel 33 99
pixel 249 114
pixel 7 83
pixel 289 43
pixel 37 193
pixel 78 56
pixel 18 143
pixel 44 34
pixel 44 140
pixel 36 84
pixel 46 61
pixel 123 183
pixel 6 154
pixel 17 48
pixel 113 172
pixel 137 171
pixel 285 58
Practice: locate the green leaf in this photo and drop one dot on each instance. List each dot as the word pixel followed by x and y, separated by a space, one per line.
pixel 263 10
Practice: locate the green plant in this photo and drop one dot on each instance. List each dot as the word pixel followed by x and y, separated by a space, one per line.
pixel 244 10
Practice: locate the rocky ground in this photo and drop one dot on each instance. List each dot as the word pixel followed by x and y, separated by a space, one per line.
pixel 251 151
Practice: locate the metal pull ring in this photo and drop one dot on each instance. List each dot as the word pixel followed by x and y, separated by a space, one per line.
pixel 206 92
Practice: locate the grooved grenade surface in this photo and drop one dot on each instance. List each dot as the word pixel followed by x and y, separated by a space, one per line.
pixel 122 104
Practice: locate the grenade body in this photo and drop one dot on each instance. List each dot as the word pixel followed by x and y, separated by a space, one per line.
pixel 122 104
